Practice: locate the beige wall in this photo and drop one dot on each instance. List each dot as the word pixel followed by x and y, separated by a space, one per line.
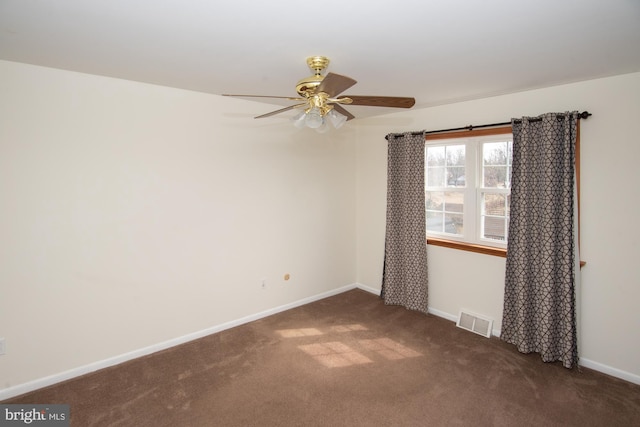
pixel 610 290
pixel 133 214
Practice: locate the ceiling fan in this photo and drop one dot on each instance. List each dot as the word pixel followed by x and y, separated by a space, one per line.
pixel 320 101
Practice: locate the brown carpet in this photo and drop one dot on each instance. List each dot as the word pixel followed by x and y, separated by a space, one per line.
pixel 346 360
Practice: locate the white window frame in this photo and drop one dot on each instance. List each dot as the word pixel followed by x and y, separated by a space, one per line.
pixel 472 211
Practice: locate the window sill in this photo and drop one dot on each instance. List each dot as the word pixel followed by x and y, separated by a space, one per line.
pixel 487 250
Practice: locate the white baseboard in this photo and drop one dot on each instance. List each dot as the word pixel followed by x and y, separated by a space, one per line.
pixel 627 376
pixel 443 314
pixel 605 369
pixel 27 387
pixel 19 389
pixel 368 289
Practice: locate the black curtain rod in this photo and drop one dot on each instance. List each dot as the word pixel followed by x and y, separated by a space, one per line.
pixel 583 115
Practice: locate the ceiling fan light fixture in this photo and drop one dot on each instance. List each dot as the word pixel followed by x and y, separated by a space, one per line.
pixel 314 118
pixel 320 95
pixel 336 119
pixel 299 120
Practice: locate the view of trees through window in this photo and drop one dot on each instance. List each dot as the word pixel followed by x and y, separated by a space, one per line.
pixel 446 172
pixel 469 179
pixel 496 175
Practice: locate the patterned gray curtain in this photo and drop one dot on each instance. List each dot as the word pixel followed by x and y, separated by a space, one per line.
pixel 539 303
pixel 404 279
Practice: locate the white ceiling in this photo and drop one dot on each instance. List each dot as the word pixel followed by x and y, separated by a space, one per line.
pixel 438 51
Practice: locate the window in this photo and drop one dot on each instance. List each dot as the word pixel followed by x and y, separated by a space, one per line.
pixel 467 188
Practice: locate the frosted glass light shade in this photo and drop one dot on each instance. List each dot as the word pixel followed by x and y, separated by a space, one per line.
pixel 314 118
pixel 337 119
pixel 298 120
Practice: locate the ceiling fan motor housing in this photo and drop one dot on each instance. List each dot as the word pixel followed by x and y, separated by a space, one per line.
pixel 307 86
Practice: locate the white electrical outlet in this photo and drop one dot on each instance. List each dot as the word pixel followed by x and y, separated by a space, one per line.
pixel 3 347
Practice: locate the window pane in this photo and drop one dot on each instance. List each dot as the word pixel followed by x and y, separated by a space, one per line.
pixel 434 200
pixel 435 156
pixel 455 165
pixel 495 177
pixel 495 153
pixel 444 211
pixel 494 228
pixel 449 201
pixel 494 215
pixel 435 176
pixel 453 223
pixel 454 201
pixel 496 164
pixel 444 223
pixel 445 166
pixel 494 204
pixel 455 176
pixel 435 222
pixel 455 155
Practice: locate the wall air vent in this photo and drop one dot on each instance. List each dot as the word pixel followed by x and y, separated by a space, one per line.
pixel 475 323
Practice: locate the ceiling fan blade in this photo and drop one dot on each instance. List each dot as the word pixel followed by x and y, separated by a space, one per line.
pixel 334 84
pixel 266 96
pixel 282 110
pixel 382 101
pixel 340 109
